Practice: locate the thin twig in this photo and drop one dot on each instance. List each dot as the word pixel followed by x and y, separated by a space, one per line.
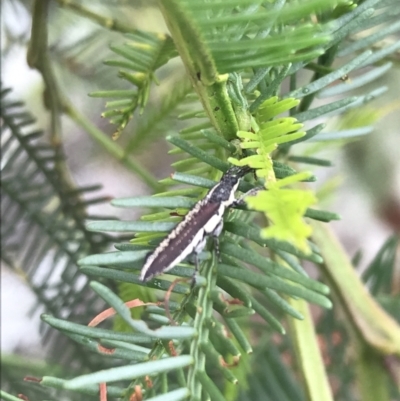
pixel 112 147
pixel 38 58
pixel 106 22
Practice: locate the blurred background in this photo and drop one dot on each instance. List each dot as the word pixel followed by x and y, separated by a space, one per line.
pixel 353 187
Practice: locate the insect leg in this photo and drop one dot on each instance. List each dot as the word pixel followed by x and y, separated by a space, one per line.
pixel 200 246
pixel 216 246
pixel 252 192
pixel 195 271
pixel 215 234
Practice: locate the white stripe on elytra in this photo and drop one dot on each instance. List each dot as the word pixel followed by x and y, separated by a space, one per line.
pixel 208 228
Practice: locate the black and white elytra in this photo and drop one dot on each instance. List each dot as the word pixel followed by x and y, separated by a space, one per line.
pixel 190 235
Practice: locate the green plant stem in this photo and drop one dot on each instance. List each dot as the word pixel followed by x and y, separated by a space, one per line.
pixel 374 333
pixel 217 104
pixel 159 348
pixel 106 22
pixel 38 58
pixel 203 313
pixel 210 86
pixel 308 355
pixel 374 326
pixel 112 147
pixel 372 376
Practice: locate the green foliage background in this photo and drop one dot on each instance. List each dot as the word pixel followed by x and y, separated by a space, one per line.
pixel 241 65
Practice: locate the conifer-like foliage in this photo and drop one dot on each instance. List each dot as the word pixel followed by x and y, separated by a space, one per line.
pixel 239 101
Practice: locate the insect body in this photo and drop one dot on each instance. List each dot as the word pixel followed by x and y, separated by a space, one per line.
pixel 206 218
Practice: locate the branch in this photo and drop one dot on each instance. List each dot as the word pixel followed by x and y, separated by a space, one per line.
pixel 106 22
pixel 38 58
pixel 112 147
pixel 375 333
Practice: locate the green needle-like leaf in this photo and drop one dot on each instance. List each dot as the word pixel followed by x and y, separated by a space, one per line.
pixel 129 372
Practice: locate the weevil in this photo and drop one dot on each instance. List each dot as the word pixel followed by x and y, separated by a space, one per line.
pixel 203 220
